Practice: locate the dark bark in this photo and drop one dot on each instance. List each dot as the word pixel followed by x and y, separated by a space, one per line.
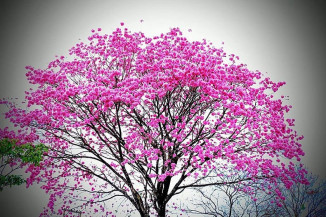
pixel 162 210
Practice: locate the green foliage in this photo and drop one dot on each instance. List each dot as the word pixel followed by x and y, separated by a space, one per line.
pixel 10 153
pixel 10 180
pixel 28 153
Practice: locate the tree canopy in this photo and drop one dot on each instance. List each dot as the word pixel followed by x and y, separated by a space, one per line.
pixel 143 118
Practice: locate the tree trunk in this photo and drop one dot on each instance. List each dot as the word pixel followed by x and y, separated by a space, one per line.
pixel 144 214
pixel 162 210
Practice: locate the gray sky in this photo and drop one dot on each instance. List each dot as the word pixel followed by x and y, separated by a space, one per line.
pixel 286 39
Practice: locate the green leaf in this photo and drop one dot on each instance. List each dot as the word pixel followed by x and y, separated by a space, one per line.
pixel 10 180
pixel 25 153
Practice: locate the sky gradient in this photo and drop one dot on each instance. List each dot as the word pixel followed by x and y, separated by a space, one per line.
pixel 285 39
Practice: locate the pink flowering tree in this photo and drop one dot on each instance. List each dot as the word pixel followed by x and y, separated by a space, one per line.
pixel 143 118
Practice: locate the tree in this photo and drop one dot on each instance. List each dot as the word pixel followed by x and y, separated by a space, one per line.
pixel 218 200
pixel 144 118
pixel 305 200
pixel 233 199
pixel 14 157
pixel 230 199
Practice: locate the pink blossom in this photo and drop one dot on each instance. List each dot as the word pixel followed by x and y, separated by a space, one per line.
pixel 127 111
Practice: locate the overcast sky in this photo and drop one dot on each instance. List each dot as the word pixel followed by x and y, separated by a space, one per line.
pixel 283 38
